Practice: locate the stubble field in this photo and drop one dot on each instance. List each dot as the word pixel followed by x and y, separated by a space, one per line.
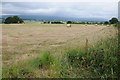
pixel 22 42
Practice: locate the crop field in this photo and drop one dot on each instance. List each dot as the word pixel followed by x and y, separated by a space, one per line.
pixel 55 51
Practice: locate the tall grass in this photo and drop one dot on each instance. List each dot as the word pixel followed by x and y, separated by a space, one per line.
pixel 117 25
pixel 17 71
pixel 26 68
pixel 43 61
pixel 93 61
pixel 101 59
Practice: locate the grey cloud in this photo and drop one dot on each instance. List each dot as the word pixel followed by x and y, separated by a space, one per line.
pixel 66 9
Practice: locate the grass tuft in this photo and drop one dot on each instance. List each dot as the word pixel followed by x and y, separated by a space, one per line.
pixel 43 61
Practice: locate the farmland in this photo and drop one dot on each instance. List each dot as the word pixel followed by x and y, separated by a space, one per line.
pixel 55 51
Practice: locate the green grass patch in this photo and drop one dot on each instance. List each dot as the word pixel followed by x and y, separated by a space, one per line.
pixel 59 43
pixel 17 71
pixel 43 61
pixel 117 25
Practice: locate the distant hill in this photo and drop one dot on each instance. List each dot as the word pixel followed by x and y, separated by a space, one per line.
pixel 54 18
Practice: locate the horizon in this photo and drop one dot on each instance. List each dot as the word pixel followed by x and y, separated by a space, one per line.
pixel 55 18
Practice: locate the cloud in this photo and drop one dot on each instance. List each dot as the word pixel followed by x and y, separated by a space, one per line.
pixel 60 0
pixel 62 9
pixel 42 11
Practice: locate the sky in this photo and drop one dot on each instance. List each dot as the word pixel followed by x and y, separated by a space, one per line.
pixel 119 11
pixel 60 0
pixel 88 9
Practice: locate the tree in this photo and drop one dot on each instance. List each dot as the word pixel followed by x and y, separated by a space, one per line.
pixel 101 22
pixel 69 22
pixel 106 22
pixel 13 19
pixel 113 21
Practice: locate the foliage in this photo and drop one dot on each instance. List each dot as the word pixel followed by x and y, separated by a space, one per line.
pixel 106 22
pixel 113 21
pixel 69 22
pixel 56 22
pixel 13 19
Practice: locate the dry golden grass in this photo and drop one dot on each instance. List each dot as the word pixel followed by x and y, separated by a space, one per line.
pixel 21 41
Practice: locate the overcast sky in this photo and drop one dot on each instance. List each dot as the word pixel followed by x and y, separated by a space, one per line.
pixel 104 10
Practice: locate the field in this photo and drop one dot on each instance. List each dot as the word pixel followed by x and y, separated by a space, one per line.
pixel 50 50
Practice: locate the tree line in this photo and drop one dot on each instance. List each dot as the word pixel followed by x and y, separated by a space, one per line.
pixel 18 20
